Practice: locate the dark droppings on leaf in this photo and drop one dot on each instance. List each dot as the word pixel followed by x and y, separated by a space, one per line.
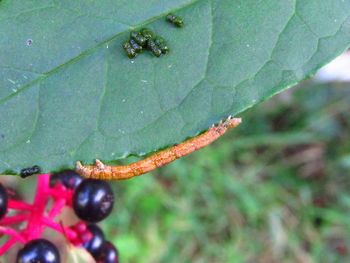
pixel 148 33
pixel 175 20
pixel 152 46
pixel 145 39
pixel 30 171
pixel 161 43
pixel 135 45
pixel 138 37
pixel 29 42
pixel 130 51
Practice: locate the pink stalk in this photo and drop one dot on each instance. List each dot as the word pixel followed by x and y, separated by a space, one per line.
pixel 19 205
pixel 57 207
pixel 7 246
pixel 69 233
pixel 36 218
pixel 42 188
pixel 60 192
pixel 13 233
pixel 14 219
pixel 34 227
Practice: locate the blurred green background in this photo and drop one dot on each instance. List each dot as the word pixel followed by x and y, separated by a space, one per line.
pixel 276 189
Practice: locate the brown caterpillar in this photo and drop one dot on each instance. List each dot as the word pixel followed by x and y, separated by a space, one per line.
pixel 106 172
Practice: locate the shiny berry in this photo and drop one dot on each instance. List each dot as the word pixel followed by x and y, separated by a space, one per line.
pixel 93 200
pixel 69 179
pixel 38 251
pixel 3 201
pixel 94 245
pixel 108 254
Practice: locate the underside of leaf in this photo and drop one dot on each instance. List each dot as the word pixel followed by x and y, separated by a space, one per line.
pixel 68 92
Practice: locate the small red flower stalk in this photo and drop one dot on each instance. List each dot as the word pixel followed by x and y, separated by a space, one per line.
pixel 65 189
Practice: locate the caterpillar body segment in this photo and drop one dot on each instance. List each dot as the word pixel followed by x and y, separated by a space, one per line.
pixel 158 159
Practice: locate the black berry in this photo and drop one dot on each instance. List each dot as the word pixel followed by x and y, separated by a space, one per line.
pixel 69 179
pixel 94 245
pixel 108 254
pixel 3 201
pixel 93 200
pixel 38 251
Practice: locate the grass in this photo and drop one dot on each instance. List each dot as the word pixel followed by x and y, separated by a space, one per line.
pixel 274 190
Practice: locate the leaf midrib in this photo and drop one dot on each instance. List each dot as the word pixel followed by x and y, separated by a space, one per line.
pixel 91 50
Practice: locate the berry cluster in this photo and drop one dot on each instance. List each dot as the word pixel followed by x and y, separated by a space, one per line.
pixel 145 39
pixel 91 200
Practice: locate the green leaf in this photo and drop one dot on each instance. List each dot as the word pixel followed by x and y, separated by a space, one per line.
pixel 68 92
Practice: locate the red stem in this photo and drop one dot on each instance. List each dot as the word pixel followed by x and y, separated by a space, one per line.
pixel 69 233
pixel 13 233
pixel 61 193
pixel 36 218
pixel 34 227
pixel 57 207
pixel 19 205
pixel 7 246
pixel 14 219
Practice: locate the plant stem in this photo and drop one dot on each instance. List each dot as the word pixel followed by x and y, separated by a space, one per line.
pixel 14 219
pixel 69 233
pixel 19 205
